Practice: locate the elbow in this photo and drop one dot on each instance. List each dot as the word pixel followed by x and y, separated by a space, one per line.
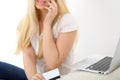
pixel 53 64
pixel 51 67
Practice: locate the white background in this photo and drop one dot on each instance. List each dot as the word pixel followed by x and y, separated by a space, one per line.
pixel 99 22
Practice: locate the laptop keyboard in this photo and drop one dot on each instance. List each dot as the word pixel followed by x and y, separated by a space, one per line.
pixel 101 65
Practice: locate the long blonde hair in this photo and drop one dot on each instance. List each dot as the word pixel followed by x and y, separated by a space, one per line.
pixel 28 25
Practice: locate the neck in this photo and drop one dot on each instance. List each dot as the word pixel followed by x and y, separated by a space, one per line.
pixel 42 15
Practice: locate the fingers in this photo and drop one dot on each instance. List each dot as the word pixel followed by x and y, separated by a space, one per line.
pixel 38 77
pixel 54 3
pixel 52 12
pixel 52 7
pixel 49 7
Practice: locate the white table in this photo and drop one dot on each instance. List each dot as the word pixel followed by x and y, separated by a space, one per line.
pixel 81 75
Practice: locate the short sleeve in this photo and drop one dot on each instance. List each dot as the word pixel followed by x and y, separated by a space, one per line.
pixel 68 23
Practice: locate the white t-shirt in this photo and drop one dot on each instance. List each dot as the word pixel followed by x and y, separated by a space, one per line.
pixel 64 24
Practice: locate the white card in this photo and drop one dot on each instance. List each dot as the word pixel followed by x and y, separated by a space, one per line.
pixel 52 75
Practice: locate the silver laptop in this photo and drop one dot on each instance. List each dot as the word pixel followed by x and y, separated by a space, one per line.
pixel 100 64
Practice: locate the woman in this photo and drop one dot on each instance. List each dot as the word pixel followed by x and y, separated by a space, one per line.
pixel 47 36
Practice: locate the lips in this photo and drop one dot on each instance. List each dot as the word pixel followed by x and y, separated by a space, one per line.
pixel 41 2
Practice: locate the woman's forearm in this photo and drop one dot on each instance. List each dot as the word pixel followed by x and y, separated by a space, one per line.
pixel 29 65
pixel 50 51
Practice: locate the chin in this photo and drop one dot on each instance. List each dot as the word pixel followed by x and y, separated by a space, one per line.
pixel 40 7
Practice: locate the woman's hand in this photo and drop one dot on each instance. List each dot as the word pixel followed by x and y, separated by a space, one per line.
pixel 52 9
pixel 38 76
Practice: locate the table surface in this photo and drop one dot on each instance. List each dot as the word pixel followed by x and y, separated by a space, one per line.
pixel 82 75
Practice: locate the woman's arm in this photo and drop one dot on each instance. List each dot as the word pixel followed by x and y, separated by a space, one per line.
pixel 29 59
pixel 56 52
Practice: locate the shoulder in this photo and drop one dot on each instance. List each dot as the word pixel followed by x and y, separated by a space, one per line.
pixel 68 23
pixel 67 17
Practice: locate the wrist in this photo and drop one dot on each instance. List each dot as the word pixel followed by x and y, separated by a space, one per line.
pixel 47 32
pixel 47 23
pixel 47 27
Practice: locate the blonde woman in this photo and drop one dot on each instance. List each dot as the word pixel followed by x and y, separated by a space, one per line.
pixel 47 36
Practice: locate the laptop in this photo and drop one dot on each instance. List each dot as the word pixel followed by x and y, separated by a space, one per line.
pixel 100 64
